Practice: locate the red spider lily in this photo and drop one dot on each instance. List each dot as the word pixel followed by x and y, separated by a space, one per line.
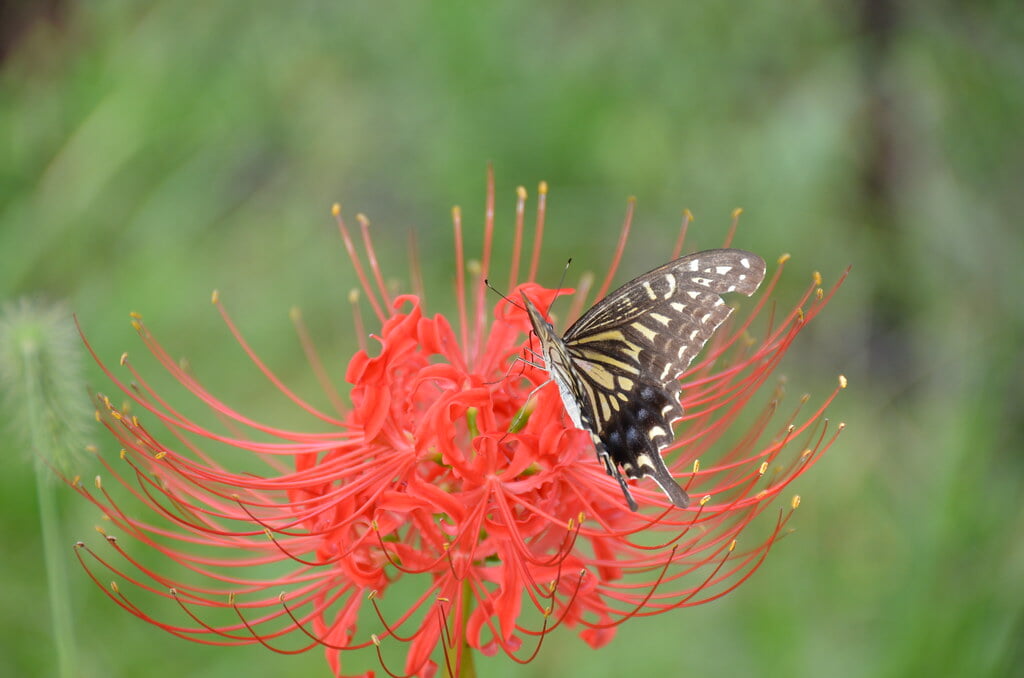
pixel 445 473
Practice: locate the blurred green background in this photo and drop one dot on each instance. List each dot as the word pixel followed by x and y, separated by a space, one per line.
pixel 150 152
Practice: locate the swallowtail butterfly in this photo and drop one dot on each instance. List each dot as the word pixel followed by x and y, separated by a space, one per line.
pixel 617 367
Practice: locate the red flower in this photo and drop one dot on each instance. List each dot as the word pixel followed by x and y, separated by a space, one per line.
pixel 443 472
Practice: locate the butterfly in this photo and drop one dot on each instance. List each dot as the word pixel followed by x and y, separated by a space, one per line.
pixel 617 368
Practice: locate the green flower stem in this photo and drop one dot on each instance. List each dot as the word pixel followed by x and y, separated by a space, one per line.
pixel 54 554
pixel 468 669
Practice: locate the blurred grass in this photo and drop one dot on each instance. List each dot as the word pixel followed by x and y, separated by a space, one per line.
pixel 152 152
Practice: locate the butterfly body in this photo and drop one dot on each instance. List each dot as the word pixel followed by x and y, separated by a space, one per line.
pixel 617 367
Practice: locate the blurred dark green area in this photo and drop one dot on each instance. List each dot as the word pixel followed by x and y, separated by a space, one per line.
pixel 150 152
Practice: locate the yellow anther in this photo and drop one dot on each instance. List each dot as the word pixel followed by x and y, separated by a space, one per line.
pixel 91 448
pixel 135 316
pixel 696 465
pixel 161 454
pixel 732 546
pixel 542 188
pixel 440 599
pixel 473 266
pixel 736 212
pixel 783 259
pixel 362 219
pixel 373 594
pixel 98 482
pixel 688 215
pixel 123 453
pixel 103 533
pixel 521 192
pixel 842 425
pixel 266 531
pixel 456 212
pixel 547 610
pixel 551 586
pixel 819 294
pixel 764 468
pixel 795 501
pixel 214 297
pixel 124 358
pixel 97 416
pixel 135 421
pixel 817 278
pixel 231 598
pixel 790 428
pixel 353 295
pixel 336 209
pixel 800 314
pixel 582 516
pixel 806 453
pixel 137 325
pixel 842 381
pixel 373 525
pixel 705 499
pixel 804 398
pixel 375 639
pixel 114 587
pixel 280 597
pixel 569 524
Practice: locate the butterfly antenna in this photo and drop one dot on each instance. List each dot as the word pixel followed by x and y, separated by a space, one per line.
pixel 498 292
pixel 561 281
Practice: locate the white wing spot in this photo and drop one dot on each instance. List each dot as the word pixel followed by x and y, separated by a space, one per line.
pixel 656 432
pixel 722 270
pixel 678 307
pixel 704 318
pixel 644 461
pixel 650 292
pixel 744 262
pixel 693 334
pixel 731 288
pixel 743 276
pixel 671 280
pixel 663 319
pixel 718 301
pixel 693 265
pixel 664 372
pixel 644 330
pixel 693 293
pixel 665 410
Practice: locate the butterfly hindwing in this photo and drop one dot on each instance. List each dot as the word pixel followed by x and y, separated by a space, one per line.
pixel 617 367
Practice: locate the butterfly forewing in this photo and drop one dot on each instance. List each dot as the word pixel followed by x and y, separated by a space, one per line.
pixel 617 367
